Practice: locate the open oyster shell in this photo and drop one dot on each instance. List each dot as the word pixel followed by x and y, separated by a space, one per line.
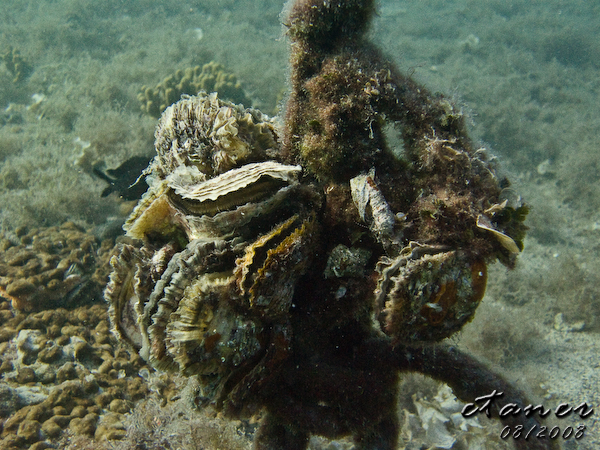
pixel 215 207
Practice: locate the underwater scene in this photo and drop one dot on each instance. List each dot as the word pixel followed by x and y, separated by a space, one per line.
pixel 325 225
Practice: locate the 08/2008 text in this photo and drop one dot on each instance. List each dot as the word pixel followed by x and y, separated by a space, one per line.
pixel 542 432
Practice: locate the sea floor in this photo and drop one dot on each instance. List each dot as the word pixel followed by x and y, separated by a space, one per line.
pixel 526 73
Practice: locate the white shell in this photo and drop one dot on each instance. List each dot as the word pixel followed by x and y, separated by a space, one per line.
pixel 234 180
pixel 507 242
pixel 373 208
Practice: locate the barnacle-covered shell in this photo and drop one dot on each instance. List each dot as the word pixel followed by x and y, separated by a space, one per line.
pixel 426 294
pixel 212 135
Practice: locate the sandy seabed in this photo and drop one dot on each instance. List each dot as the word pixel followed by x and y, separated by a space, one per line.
pixel 527 73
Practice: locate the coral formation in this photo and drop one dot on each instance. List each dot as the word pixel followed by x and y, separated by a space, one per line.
pixel 15 64
pixel 51 267
pixel 62 374
pixel 299 276
pixel 60 371
pixel 211 77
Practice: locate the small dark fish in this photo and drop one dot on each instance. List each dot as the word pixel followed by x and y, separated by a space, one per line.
pixel 125 180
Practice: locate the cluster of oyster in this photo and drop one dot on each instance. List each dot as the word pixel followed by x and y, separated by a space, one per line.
pixel 220 239
pixel 231 240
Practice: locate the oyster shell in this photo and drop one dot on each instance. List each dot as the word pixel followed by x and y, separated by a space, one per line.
pixel 212 135
pixel 250 183
pixel 271 265
pixel 507 242
pixel 427 293
pixel 245 182
pixel 212 173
